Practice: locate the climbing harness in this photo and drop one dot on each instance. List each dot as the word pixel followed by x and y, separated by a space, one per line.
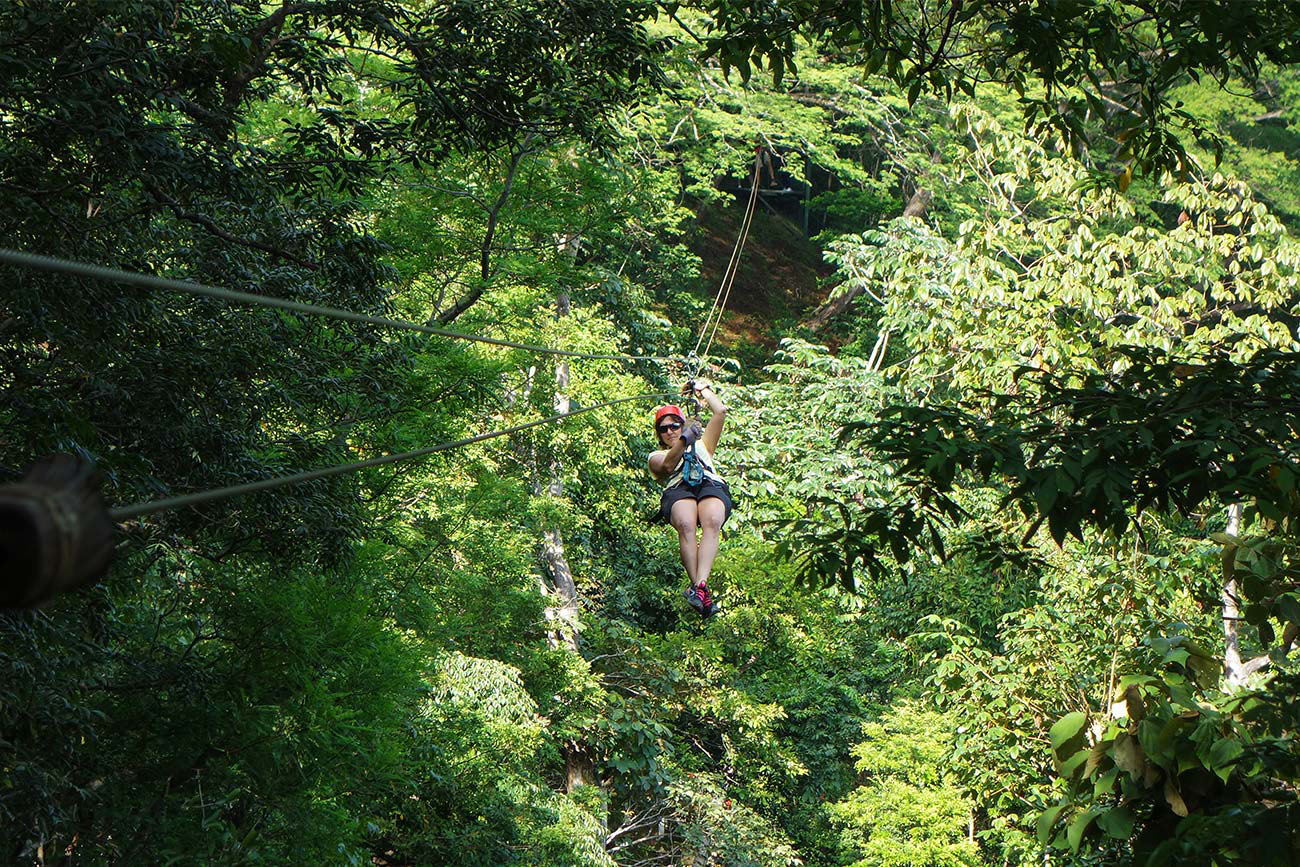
pixel 692 467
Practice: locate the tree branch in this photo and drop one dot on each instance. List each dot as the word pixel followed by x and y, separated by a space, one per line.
pixel 210 225
pixel 939 49
pixel 627 829
pixel 485 250
pixel 272 25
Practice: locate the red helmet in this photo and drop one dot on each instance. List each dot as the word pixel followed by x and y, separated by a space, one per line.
pixel 669 409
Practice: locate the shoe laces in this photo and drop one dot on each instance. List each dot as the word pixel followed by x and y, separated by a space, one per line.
pixel 705 597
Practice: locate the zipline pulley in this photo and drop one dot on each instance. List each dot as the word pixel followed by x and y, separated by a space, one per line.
pixel 55 532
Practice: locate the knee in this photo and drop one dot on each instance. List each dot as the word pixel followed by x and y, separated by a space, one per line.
pixel 684 527
pixel 712 524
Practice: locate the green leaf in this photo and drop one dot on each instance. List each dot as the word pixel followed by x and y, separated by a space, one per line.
pixel 1288 607
pixel 1105 783
pixel 1057 527
pixel 914 91
pixel 1075 763
pixel 1065 730
pixel 1046 820
pixel 1117 822
pixel 1078 827
pixel 1046 494
pixel 1205 669
pixel 1223 755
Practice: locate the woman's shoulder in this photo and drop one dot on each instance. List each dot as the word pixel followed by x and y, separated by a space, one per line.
pixel 655 464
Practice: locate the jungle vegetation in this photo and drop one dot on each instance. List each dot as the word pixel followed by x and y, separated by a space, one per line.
pixel 1013 371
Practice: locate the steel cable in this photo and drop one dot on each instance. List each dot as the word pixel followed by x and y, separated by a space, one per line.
pixel 146 281
pixel 149 507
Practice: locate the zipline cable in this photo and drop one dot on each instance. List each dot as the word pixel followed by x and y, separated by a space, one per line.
pixel 146 281
pixel 199 497
pixel 744 236
pixel 729 275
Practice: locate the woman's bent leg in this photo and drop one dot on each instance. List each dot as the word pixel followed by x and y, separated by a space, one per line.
pixel 684 519
pixel 712 512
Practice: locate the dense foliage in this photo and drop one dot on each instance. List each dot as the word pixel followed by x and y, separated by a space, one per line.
pixel 1012 426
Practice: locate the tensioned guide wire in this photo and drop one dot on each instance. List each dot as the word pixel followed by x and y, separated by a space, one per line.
pixel 148 508
pixel 147 281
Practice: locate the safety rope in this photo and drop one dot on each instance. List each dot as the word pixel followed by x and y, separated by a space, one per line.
pixel 695 359
pixel 147 281
pixel 152 506
pixel 744 236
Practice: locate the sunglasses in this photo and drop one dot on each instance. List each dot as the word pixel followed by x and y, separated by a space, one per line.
pixel 672 425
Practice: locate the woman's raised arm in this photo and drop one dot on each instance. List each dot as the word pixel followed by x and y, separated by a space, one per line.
pixel 718 413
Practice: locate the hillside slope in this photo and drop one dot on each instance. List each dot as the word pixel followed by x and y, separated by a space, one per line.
pixel 779 280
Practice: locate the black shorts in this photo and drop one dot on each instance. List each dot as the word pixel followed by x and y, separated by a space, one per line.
pixel 683 491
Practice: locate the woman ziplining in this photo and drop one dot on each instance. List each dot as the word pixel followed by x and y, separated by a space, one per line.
pixel 695 496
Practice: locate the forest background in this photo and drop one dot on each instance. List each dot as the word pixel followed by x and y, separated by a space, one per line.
pixel 1013 381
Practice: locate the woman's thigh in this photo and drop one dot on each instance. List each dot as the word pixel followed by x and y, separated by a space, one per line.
pixel 685 515
pixel 711 512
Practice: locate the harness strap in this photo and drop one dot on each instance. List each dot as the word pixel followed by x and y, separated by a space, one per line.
pixel 692 467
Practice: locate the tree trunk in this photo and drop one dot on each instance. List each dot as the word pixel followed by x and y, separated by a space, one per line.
pixel 1232 668
pixel 916 207
pixel 562 614
pixel 1235 669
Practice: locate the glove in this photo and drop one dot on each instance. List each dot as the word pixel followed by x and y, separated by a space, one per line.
pixel 691 433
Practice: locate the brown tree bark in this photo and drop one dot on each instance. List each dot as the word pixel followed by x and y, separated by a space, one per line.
pixel 916 207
